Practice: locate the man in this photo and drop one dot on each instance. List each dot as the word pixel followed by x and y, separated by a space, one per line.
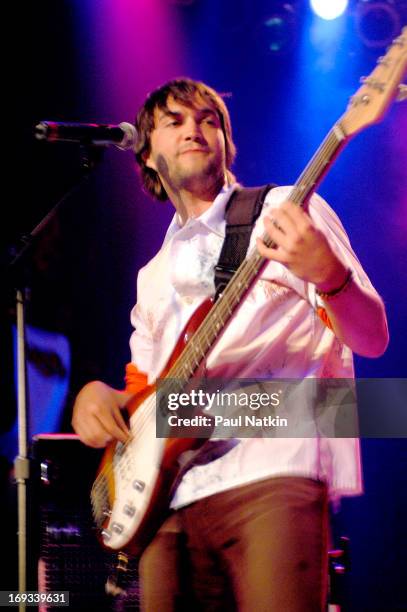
pixel 249 527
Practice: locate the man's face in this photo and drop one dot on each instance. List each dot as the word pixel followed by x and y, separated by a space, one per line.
pixel 187 145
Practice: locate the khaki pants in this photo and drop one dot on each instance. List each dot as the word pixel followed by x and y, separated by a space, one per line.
pixel 261 547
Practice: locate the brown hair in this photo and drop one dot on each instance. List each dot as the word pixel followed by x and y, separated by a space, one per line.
pixel 183 90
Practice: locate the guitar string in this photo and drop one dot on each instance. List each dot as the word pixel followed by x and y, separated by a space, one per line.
pixel 244 276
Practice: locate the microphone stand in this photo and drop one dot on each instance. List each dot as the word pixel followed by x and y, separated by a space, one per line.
pixel 90 157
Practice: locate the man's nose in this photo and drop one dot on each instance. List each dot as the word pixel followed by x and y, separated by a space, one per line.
pixel 193 130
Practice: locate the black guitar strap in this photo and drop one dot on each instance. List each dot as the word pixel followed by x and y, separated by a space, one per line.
pixel 242 211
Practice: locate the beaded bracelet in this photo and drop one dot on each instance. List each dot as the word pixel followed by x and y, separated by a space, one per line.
pixel 327 295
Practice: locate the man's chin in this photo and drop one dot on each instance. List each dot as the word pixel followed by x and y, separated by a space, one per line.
pixel 205 178
pixel 196 169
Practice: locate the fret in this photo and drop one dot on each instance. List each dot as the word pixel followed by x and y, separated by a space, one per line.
pixel 318 166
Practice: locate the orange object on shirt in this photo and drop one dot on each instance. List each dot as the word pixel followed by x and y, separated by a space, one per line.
pixel 321 312
pixel 135 380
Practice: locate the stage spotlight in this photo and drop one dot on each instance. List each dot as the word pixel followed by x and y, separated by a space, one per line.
pixel 378 23
pixel 280 28
pixel 329 9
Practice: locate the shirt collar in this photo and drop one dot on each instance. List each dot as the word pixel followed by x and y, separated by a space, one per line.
pixel 213 218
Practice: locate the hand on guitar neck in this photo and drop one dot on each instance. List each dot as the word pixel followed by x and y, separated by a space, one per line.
pixel 302 247
pixel 97 414
pixel 354 311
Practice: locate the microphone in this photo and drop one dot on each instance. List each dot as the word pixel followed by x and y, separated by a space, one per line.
pixel 123 136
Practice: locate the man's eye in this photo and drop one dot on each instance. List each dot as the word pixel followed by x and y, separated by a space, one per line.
pixel 174 122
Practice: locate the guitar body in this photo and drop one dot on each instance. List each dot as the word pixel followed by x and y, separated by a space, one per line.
pixel 131 493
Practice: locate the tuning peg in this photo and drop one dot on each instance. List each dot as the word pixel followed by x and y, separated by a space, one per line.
pixel 373 83
pixel 402 95
pixel 400 40
pixel 384 61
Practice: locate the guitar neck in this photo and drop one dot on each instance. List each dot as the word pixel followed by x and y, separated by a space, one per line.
pixel 318 166
pixel 367 106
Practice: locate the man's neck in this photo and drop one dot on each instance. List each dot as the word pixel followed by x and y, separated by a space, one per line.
pixel 190 203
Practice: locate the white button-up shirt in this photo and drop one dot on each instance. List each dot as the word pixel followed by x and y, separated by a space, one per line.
pixel 275 333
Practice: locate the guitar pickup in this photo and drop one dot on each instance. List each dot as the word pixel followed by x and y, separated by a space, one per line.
pixel 129 510
pixel 139 485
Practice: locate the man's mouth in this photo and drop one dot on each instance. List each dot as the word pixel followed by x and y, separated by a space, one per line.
pixel 200 150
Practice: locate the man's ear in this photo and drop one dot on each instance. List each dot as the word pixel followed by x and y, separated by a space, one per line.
pixel 149 162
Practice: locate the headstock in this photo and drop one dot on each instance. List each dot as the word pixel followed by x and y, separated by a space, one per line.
pixel 379 89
